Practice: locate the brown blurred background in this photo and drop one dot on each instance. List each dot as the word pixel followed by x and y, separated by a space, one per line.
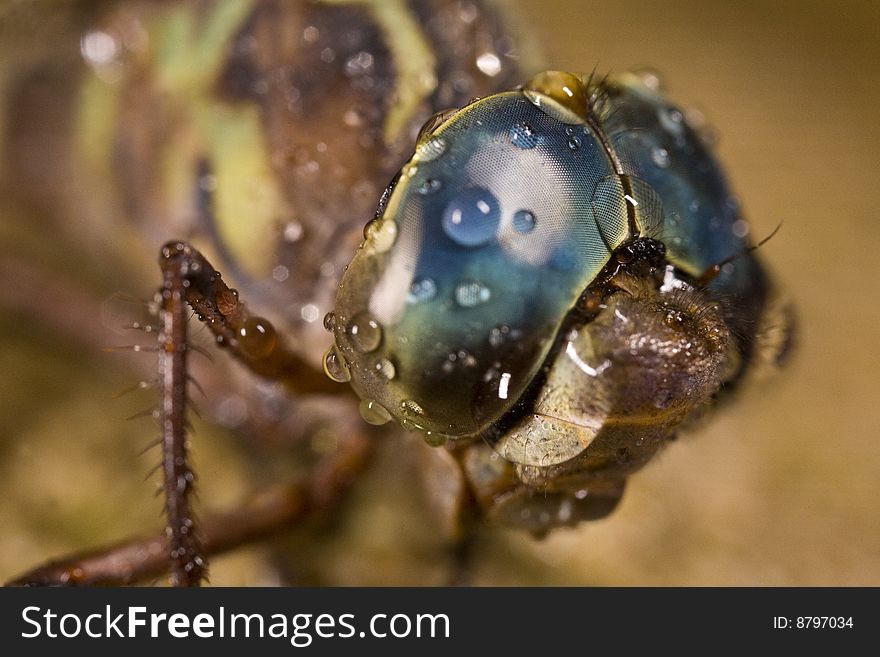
pixel 782 488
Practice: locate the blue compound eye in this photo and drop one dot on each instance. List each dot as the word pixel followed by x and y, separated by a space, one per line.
pixel 452 309
pixel 484 245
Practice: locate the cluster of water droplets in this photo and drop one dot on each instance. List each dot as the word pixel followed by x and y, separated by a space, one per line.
pixel 469 294
pixel 430 149
pixel 523 136
pixel 381 234
pixel 660 157
pixel 365 334
pixel 502 333
pixel 574 140
pixel 422 289
pixel 472 218
pixel 458 359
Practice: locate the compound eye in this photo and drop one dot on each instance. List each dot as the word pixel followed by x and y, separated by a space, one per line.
pixel 449 309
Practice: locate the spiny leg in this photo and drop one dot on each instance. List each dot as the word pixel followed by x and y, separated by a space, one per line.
pixel 188 278
pixel 186 555
pixel 250 338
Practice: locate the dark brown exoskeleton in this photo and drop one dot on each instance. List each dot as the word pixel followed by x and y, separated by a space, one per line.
pixel 261 135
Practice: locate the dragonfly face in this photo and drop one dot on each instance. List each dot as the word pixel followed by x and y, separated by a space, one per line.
pixel 528 296
pixel 539 278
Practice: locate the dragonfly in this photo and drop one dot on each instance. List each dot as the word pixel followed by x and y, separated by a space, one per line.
pixel 537 336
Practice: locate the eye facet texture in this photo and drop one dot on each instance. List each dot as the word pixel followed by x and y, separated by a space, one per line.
pixel 496 237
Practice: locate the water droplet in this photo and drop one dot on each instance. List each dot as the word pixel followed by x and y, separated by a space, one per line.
pixel 523 221
pixel 582 494
pixel 335 366
pixel 385 368
pixel 472 218
pixel 458 359
pixel 498 335
pixel 651 79
pixel 434 439
pixel 365 332
pixel 433 123
pixel 471 293
pixel 257 337
pixel 574 143
pixel 381 233
pixel 422 289
pixel 431 149
pixel 523 136
pixel 671 119
pixel 430 186
pixel 560 95
pixel 374 413
pixel 740 228
pixel 373 224
pixel 330 321
pixel 660 157
pixel 280 273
